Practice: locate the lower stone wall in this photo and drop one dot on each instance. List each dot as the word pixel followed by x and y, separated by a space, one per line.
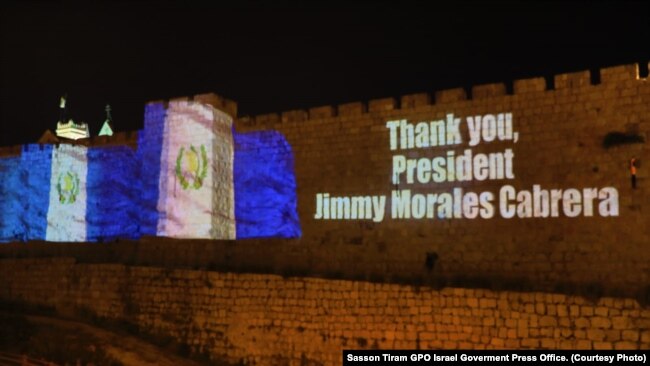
pixel 267 319
pixel 291 258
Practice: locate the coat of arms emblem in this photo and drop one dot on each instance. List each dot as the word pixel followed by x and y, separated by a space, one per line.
pixel 67 186
pixel 192 167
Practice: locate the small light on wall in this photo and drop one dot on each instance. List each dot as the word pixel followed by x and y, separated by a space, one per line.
pixel 633 166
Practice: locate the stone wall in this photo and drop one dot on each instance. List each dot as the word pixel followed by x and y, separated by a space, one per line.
pixel 267 319
pixel 344 150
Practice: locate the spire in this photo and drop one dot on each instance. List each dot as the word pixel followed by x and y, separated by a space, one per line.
pixel 62 106
pixel 108 113
pixel 107 129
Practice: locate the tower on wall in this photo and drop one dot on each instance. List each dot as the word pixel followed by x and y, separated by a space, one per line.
pixel 70 129
pixel 196 198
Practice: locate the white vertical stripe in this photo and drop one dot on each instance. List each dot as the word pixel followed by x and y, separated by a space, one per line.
pixel 66 215
pixel 199 202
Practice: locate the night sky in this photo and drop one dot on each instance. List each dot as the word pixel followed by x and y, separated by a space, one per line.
pixel 276 56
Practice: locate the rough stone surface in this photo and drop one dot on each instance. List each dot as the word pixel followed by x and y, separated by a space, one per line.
pixel 270 320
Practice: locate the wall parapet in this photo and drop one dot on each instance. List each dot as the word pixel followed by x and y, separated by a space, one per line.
pixel 564 81
pixel 488 91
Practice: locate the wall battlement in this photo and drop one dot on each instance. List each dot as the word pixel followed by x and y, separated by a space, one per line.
pixel 566 81
pixel 562 82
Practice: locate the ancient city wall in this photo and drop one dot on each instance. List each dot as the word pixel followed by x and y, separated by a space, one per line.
pixel 562 124
pixel 270 320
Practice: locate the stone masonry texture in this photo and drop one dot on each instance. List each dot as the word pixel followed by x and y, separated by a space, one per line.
pixel 344 150
pixel 270 320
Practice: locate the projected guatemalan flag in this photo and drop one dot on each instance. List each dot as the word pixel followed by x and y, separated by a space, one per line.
pixel 190 177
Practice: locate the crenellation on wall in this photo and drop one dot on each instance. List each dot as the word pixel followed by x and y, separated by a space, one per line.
pixel 574 80
pixel 351 109
pixel 488 91
pixel 617 74
pixel 382 105
pixel 532 85
pixel 297 115
pixel 412 101
pixel 326 111
pixel 450 96
pixel 560 83
pixel 267 120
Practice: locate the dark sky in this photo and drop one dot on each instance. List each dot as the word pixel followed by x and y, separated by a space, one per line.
pixel 275 56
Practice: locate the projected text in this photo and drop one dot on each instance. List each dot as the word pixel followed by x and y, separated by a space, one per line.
pixel 411 173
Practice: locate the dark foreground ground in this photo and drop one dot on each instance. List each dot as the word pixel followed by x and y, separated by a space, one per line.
pixel 68 342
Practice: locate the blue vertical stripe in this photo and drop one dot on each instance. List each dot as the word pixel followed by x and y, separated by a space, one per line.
pixel 35 171
pixel 149 152
pixel 113 188
pixel 11 206
pixel 265 186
